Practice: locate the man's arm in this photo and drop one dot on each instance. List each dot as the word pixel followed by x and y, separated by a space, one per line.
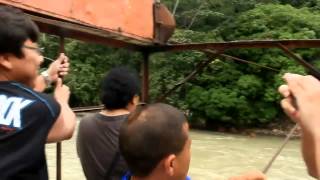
pixel 310 148
pixel 250 175
pixel 301 103
pixel 64 126
pixel 40 84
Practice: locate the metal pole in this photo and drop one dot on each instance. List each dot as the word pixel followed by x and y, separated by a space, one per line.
pixel 145 77
pixel 58 171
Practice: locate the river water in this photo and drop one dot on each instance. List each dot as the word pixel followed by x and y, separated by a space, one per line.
pixel 215 156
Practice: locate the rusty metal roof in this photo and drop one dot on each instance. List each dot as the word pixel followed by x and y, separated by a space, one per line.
pixel 132 24
pixel 118 23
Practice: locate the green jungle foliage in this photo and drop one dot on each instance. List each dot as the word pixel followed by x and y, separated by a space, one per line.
pixel 226 92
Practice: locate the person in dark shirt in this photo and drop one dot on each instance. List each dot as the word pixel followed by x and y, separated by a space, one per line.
pixel 28 119
pixel 97 142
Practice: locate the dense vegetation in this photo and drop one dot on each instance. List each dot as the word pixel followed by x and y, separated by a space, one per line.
pixel 226 91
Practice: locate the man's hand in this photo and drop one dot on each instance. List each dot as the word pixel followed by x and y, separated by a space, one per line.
pixel 251 175
pixel 306 91
pixel 59 68
pixel 301 102
pixel 61 92
pixel 288 103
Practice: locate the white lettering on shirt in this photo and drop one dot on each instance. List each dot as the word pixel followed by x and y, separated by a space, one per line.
pixel 10 110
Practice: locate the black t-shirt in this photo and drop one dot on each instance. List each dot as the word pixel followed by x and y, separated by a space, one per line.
pixel 25 120
pixel 97 144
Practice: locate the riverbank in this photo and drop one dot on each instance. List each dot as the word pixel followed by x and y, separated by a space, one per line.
pixel 279 129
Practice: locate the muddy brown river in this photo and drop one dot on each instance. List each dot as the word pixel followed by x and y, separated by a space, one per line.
pixel 215 156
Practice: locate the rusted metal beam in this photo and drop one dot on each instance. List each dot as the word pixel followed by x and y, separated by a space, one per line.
pixel 145 77
pixel 311 69
pixel 88 34
pixel 59 146
pixel 199 67
pixel 313 43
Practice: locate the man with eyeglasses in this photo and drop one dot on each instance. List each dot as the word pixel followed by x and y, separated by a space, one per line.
pixel 58 68
pixel 28 119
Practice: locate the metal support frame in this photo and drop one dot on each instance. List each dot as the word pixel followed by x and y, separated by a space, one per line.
pixel 220 47
pixel 212 53
pixel 145 77
pixel 312 70
pixel 294 43
pixel 199 67
pixel 59 145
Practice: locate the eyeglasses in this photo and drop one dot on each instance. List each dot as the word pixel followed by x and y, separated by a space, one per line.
pixel 39 50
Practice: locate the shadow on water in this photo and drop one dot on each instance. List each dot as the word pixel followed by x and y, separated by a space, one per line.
pixel 215 156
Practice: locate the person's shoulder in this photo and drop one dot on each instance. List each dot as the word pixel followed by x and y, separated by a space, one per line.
pixel 27 90
pixel 89 118
pixel 88 123
pixel 15 89
pixel 47 101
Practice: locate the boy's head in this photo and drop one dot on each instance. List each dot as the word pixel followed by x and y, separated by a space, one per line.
pixel 120 89
pixel 155 142
pixel 19 56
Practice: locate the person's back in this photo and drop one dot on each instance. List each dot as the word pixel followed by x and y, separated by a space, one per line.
pixel 97 142
pixel 97 145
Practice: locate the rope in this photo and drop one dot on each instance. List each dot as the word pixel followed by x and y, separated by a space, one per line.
pixel 267 167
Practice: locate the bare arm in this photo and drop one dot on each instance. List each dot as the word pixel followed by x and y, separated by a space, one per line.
pixel 250 175
pixel 305 91
pixel 64 126
pixel 311 153
pixel 40 84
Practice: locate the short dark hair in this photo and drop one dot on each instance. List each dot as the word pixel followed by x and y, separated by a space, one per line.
pixel 15 29
pixel 151 133
pixel 119 87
